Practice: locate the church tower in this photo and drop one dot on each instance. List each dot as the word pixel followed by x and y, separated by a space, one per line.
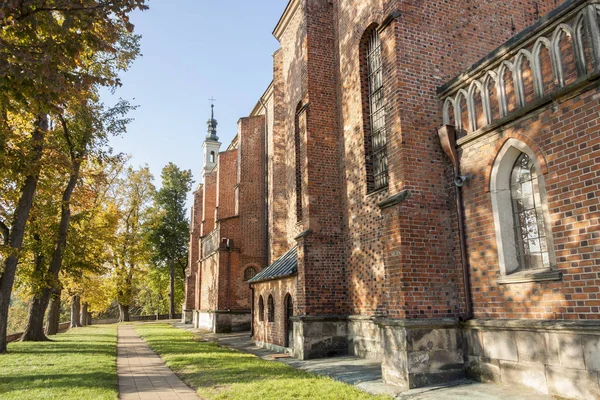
pixel 211 144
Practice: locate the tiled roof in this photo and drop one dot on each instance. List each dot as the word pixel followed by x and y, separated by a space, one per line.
pixel 286 265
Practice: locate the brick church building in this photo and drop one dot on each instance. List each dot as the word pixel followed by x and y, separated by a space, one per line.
pixel 419 185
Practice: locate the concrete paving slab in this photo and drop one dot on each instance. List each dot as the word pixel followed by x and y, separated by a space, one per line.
pixel 143 375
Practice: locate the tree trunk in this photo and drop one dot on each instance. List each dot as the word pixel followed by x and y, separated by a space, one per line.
pixel 17 232
pixel 89 318
pixel 53 319
pixel 35 326
pixel 34 331
pixel 172 292
pixel 123 313
pixel 75 311
pixel 84 314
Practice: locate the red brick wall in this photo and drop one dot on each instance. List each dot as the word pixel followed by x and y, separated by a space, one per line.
pixel 226 180
pixel 416 277
pixel 278 202
pixel 567 141
pixel 252 203
pixel 194 248
pixel 210 202
pixel 273 332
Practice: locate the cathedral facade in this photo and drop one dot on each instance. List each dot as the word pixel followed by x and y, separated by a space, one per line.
pixel 419 186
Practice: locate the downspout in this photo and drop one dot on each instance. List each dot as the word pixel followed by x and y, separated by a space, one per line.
pixel 251 310
pixel 229 248
pixel 447 136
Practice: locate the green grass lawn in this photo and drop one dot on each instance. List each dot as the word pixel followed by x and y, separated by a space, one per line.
pixel 220 373
pixel 79 364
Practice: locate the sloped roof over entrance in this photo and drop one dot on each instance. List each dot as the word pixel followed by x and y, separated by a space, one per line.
pixel 286 265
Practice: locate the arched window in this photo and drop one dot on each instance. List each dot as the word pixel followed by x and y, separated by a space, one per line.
pixel 270 309
pixel 261 309
pixel 521 216
pixel 249 273
pixel 530 232
pixel 212 156
pixel 374 113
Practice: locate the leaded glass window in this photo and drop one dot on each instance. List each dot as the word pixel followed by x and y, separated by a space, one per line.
pixel 261 309
pixel 530 228
pixel 378 138
pixel 270 309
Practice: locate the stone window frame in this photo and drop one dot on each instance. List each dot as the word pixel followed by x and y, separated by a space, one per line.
pixel 270 309
pixel 261 309
pixel 504 223
pixel 213 157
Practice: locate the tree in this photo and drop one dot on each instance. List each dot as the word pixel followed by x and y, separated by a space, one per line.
pixel 129 252
pixel 85 129
pixel 169 234
pixel 51 51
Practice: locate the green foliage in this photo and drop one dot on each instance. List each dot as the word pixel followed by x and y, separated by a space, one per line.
pixel 129 252
pixel 77 365
pixel 168 235
pixel 220 373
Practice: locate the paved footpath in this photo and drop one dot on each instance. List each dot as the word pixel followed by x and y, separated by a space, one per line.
pixel 142 373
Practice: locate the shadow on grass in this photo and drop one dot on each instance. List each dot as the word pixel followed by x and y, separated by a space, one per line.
pixel 86 380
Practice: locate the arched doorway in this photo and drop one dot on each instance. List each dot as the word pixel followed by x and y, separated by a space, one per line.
pixel 289 325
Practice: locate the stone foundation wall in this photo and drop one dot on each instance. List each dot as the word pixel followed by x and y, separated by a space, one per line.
pixel 223 321
pixel 318 337
pixel 364 338
pixel 553 357
pixel 419 353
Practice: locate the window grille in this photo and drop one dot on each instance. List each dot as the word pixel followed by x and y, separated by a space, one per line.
pixel 378 140
pixel 530 228
pixel 249 273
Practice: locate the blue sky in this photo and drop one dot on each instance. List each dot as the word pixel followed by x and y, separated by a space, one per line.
pixel 193 50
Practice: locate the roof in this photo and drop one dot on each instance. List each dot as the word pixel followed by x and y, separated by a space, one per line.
pixel 286 265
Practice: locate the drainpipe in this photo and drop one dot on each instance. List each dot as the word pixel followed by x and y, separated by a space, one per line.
pixel 447 136
pixel 229 248
pixel 251 311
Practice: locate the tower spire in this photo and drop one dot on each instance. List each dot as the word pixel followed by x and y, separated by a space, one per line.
pixel 212 123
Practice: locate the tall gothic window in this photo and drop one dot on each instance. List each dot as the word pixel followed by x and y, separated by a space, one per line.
pixel 530 231
pixel 376 143
pixel 521 216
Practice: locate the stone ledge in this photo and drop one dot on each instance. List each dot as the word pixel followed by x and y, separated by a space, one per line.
pixel 319 318
pixel 394 199
pixel 418 323
pixel 530 276
pixel 587 327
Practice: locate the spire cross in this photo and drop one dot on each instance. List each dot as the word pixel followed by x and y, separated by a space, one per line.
pixel 212 107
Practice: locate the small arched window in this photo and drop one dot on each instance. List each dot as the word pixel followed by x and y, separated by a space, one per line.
pixel 270 309
pixel 212 156
pixel 374 112
pixel 249 273
pixel 261 309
